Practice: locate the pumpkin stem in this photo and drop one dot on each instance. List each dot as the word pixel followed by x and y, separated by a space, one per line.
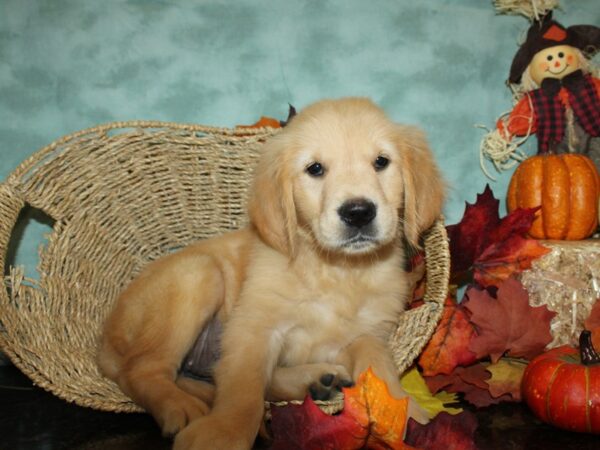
pixel 586 350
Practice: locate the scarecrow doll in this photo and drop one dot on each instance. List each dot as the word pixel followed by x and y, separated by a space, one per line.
pixel 558 95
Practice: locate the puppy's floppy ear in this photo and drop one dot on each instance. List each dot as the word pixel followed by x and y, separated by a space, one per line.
pixel 271 203
pixel 424 187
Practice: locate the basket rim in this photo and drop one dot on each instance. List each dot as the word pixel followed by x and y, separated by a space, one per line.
pixel 29 163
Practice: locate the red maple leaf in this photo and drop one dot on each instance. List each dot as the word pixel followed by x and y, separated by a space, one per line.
pixel 469 237
pixel 444 431
pixel 306 427
pixel 491 247
pixel 449 345
pixel 507 323
pixel 516 223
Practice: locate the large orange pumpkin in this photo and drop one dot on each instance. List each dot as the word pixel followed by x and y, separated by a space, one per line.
pixel 566 186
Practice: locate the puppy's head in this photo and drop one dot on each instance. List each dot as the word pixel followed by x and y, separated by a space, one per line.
pixel 344 176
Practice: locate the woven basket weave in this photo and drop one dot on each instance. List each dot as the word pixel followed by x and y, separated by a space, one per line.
pixel 121 195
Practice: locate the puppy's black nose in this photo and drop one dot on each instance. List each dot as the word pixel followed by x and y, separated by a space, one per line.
pixel 357 212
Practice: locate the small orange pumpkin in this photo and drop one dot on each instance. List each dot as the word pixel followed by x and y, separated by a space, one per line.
pixel 562 386
pixel 566 186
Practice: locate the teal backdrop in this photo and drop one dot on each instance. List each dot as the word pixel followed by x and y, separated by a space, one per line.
pixel 440 64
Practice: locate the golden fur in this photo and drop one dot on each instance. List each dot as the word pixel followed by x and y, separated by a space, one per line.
pixel 300 292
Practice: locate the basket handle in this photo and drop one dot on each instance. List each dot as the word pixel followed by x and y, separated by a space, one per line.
pixel 416 326
pixel 437 262
pixel 11 205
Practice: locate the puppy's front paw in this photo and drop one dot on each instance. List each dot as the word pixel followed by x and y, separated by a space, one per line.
pixel 210 433
pixel 175 414
pixel 328 385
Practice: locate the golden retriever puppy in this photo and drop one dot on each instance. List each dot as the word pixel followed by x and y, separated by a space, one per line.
pixel 308 293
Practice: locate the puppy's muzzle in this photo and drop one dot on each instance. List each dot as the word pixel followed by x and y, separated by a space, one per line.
pixel 358 212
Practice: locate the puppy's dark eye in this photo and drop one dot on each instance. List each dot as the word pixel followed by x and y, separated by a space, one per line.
pixel 381 162
pixel 315 169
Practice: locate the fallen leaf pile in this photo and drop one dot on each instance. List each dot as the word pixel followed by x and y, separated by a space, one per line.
pixel 483 383
pixel 371 418
pixel 482 344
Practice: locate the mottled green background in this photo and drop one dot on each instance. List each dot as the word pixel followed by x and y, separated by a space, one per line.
pixel 71 64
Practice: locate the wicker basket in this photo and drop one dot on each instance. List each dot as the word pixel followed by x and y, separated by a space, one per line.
pixel 122 195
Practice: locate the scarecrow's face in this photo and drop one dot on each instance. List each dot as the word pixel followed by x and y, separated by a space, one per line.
pixel 553 62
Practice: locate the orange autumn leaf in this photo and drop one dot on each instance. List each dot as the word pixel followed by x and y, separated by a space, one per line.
pixel 449 345
pixel 386 416
pixel 371 419
pixel 263 122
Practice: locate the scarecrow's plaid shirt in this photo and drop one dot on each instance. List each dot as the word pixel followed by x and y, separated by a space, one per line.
pixel 550 111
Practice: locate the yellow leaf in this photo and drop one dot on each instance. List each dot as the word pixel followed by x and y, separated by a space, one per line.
pixel 414 385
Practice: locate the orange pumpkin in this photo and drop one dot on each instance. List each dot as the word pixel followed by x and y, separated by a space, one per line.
pixel 566 186
pixel 562 386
